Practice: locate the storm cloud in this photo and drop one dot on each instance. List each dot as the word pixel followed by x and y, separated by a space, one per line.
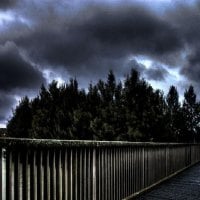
pixel 17 77
pixel 157 74
pixel 186 19
pixel 15 72
pixel 99 33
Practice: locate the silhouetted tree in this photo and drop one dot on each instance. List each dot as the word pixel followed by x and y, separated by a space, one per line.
pixel 190 113
pixel 173 114
pixel 20 123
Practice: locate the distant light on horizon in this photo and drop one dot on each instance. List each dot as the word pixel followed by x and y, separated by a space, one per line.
pixel 2 125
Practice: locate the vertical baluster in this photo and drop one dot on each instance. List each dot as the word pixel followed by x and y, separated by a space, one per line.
pixel 108 172
pixel 105 173
pixel 139 169
pixel 100 174
pixel 102 193
pixel 81 173
pixel 128 172
pixel 19 175
pixel 66 175
pixel 131 171
pixel 60 175
pixel 112 173
pixel 89 174
pixel 136 169
pixel 125 166
pixel 53 174
pixel 121 184
pixel 48 176
pixel 34 176
pixel 71 174
pixel 134 176
pixel 94 178
pixel 120 174
pixel 85 174
pixel 1 174
pixel 124 169
pixel 146 166
pixel 41 176
pixel 76 175
pixel 3 177
pixel 114 168
pixel 143 168
pixel 12 176
pixel 27 179
pixel 9 176
pixel 117 173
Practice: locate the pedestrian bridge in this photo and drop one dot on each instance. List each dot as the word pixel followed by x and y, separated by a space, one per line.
pixel 84 170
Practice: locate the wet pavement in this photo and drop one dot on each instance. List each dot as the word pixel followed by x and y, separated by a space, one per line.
pixel 185 186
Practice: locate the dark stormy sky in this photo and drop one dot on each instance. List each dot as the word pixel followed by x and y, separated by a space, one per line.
pixel 45 40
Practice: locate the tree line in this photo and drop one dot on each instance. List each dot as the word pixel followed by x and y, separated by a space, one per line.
pixel 108 110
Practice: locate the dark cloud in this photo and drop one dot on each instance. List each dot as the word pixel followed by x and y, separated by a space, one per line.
pixel 187 21
pixel 97 33
pixel 7 3
pixel 157 74
pixel 17 78
pixel 154 72
pixel 16 72
pixel 191 68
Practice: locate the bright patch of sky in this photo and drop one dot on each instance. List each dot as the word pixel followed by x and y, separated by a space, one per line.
pixel 3 125
pixel 50 76
pixel 172 78
pixel 6 17
pixel 144 61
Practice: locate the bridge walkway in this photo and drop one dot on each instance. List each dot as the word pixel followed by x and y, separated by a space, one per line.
pixel 184 186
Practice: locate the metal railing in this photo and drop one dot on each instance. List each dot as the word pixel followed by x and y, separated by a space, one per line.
pixel 84 170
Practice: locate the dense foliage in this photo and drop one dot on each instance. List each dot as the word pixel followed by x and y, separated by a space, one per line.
pixel 109 110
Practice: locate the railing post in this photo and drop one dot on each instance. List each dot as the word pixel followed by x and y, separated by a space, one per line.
pixel 60 175
pixel 166 163
pixel 94 175
pixel 1 174
pixel 35 171
pixel 54 174
pixel 9 175
pixel 66 175
pixel 143 168
pixel 27 177
pixel 41 174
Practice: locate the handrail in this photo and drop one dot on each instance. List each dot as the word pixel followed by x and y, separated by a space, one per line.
pixel 6 141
